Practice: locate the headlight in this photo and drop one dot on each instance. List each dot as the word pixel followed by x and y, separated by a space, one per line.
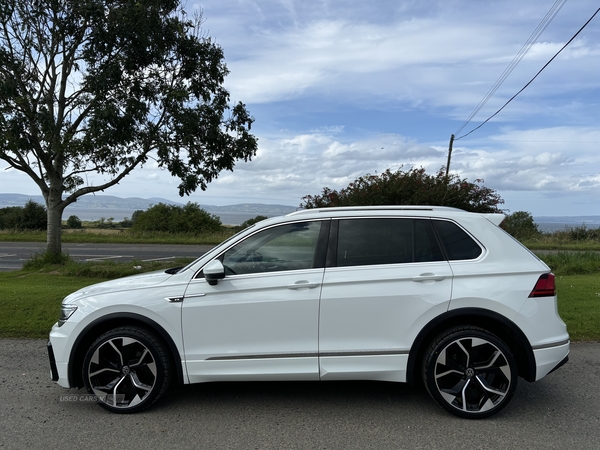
pixel 66 311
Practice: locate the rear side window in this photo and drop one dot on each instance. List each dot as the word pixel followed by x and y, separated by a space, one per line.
pixel 386 241
pixel 457 243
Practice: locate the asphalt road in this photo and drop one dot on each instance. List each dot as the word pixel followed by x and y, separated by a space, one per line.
pixel 14 254
pixel 559 412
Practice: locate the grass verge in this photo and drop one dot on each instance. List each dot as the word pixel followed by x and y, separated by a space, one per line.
pixel 30 300
pixel 579 305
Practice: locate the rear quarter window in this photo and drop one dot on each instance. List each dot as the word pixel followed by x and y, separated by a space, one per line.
pixel 456 242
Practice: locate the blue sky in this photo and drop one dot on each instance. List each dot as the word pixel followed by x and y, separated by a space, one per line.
pixel 344 88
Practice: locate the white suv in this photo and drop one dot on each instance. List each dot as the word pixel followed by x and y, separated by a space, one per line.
pixel 372 293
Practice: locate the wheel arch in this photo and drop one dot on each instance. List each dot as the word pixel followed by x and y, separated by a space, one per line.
pixel 100 326
pixel 495 323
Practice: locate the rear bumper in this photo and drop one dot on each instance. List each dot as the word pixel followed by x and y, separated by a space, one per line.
pixel 548 359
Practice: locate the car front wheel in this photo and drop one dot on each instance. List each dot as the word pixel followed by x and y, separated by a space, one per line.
pixel 127 369
pixel 470 372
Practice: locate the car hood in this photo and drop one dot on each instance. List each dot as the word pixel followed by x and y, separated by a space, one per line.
pixel 142 280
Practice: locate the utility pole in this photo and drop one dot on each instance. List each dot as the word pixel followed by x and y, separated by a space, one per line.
pixel 449 154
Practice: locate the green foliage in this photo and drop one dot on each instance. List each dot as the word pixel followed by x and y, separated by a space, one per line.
pixel 98 86
pixel 411 187
pixel 177 219
pixel 135 216
pixel 580 234
pixel 572 263
pixel 46 259
pixel 10 218
pixel 520 225
pixel 74 222
pixel 32 216
pixel 126 223
pixel 252 221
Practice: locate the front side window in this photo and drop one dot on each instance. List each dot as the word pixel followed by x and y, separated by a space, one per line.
pixel 386 241
pixel 285 247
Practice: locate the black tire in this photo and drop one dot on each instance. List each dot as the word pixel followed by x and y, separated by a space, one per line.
pixel 470 372
pixel 127 368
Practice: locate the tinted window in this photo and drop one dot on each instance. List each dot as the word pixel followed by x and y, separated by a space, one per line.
pixel 386 241
pixel 457 243
pixel 286 247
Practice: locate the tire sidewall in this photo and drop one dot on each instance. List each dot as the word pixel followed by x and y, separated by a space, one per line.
pixel 157 350
pixel 446 339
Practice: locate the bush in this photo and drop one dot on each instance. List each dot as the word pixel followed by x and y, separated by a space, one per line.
pixel 412 187
pixel 521 226
pixel 126 223
pixel 45 259
pixel 252 221
pixel 74 222
pixel 32 216
pixel 10 217
pixel 176 219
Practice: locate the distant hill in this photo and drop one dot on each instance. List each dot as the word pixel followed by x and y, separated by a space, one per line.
pixel 113 205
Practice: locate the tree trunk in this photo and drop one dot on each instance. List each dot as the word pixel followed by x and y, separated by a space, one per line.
pixel 55 207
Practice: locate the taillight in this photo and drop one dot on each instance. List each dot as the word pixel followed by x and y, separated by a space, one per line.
pixel 545 286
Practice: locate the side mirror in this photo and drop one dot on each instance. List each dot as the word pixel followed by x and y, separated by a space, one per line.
pixel 213 272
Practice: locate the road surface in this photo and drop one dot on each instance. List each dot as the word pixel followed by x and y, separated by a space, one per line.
pixel 14 254
pixel 562 411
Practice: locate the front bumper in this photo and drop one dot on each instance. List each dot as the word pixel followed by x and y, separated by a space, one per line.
pixel 53 369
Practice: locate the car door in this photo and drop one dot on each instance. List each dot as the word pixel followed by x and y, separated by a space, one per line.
pixel 385 279
pixel 261 320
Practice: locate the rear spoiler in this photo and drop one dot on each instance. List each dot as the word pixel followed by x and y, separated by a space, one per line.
pixel 496 219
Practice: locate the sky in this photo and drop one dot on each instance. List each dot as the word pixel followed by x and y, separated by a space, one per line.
pixel 339 89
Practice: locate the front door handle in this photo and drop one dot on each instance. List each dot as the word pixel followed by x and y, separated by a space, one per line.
pixel 304 284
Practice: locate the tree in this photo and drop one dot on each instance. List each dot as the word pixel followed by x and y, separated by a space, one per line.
pixel 34 216
pixel 102 86
pixel 520 225
pixel 411 187
pixel 74 222
pixel 252 221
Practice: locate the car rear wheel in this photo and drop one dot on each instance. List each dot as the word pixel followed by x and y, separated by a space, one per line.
pixel 127 369
pixel 470 372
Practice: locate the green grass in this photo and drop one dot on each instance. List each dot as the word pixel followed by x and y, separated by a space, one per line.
pixel 30 300
pixel 581 246
pixel 579 305
pixel 572 263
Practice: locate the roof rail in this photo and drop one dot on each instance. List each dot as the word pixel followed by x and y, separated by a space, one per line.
pixel 376 208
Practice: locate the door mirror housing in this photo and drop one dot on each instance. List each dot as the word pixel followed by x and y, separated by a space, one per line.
pixel 213 272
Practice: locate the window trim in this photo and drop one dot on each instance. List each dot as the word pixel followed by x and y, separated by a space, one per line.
pixel 443 247
pixel 332 251
pixel 320 252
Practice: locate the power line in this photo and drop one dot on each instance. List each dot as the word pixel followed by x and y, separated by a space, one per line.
pixel 531 81
pixel 533 141
pixel 558 4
